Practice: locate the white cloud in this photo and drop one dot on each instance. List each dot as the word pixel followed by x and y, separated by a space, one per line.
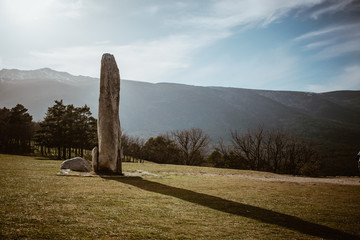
pixel 28 13
pixel 152 61
pixel 348 79
pixel 169 58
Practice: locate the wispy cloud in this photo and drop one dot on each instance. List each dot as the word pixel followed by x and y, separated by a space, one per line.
pixel 347 79
pixel 319 44
pixel 230 13
pixel 339 49
pixel 333 41
pixel 329 31
pixel 333 8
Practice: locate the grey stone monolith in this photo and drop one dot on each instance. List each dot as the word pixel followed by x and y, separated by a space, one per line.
pixel 109 131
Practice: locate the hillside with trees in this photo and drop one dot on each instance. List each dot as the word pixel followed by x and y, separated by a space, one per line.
pixel 326 121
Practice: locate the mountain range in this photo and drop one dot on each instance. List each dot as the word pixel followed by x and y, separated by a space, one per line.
pixel 148 109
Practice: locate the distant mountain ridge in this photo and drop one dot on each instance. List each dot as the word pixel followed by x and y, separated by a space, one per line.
pixel 41 74
pixel 148 109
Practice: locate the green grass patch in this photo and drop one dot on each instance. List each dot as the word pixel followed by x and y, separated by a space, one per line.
pixel 184 203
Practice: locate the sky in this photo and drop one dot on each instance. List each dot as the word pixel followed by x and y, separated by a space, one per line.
pixel 298 45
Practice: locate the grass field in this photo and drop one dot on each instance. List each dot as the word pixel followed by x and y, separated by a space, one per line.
pixel 181 203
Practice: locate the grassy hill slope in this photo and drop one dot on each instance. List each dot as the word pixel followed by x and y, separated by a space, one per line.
pixel 181 203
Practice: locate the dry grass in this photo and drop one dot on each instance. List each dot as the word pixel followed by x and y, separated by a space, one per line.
pixel 185 203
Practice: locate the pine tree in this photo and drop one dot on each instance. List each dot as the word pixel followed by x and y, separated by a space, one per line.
pixel 16 130
pixel 68 128
pixel 52 128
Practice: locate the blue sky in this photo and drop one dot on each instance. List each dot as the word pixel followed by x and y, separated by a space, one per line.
pixel 300 45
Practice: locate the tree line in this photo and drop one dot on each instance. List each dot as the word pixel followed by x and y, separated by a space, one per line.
pixel 271 150
pixel 186 147
pixel 261 150
pixel 67 128
pixel 67 131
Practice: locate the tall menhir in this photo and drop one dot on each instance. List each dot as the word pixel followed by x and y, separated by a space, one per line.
pixel 109 131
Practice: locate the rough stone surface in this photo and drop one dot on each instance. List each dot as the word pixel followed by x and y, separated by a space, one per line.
pixel 95 158
pixel 109 131
pixel 76 164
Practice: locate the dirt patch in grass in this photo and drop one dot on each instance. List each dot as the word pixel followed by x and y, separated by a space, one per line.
pixel 270 177
pixel 137 173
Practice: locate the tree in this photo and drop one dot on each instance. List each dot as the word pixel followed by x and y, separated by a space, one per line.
pixel 298 154
pixel 132 147
pixel 53 128
pixel 4 129
pixel 192 144
pixel 275 144
pixel 249 146
pixel 81 128
pixel 215 159
pixel 161 150
pixel 16 130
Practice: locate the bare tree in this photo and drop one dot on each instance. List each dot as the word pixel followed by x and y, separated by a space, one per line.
pixel 250 146
pixel 192 143
pixel 298 153
pixel 276 142
pixel 221 147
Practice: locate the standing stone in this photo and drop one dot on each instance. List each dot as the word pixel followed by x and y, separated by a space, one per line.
pixel 109 131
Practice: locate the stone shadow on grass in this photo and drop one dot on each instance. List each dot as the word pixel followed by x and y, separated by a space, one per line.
pixel 240 209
